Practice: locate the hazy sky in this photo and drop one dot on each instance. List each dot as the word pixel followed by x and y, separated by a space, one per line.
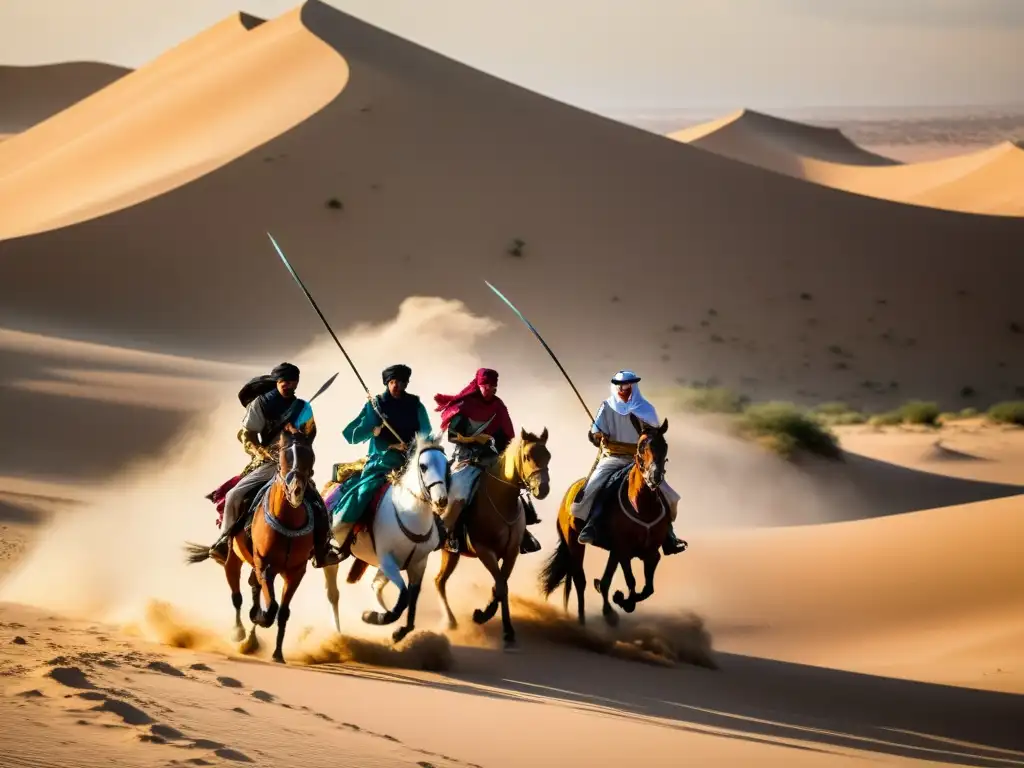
pixel 620 54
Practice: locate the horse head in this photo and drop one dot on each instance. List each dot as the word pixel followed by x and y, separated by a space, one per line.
pixel 433 475
pixel 651 451
pixel 533 459
pixel 295 463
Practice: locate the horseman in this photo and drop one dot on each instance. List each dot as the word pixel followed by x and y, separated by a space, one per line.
pixel 406 415
pixel 614 433
pixel 270 406
pixel 479 425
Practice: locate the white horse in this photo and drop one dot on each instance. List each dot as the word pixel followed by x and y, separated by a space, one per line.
pixel 403 535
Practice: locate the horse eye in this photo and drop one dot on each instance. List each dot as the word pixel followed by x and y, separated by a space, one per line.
pixel 423 467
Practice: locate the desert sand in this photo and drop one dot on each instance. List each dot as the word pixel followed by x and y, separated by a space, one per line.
pixel 986 181
pixel 824 613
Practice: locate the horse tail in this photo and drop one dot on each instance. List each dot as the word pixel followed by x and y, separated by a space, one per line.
pixel 355 573
pixel 556 568
pixel 196 553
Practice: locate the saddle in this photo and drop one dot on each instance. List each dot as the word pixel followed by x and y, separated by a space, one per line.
pixel 365 523
pixel 607 493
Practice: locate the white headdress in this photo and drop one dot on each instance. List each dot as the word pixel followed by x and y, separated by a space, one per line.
pixel 636 404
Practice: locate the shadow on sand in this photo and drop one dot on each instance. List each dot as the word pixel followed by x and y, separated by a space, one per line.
pixel 758 700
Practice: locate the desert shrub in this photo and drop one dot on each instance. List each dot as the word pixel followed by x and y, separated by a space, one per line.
pixel 709 400
pixel 845 419
pixel 920 412
pixel 1009 412
pixel 887 419
pixel 784 428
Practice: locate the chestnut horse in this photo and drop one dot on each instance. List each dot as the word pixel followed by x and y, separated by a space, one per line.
pixel 495 523
pixel 279 542
pixel 633 525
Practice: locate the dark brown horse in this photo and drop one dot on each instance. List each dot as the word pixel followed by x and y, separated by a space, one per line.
pixel 632 525
pixel 279 542
pixel 495 523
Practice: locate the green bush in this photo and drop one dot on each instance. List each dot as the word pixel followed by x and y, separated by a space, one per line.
pixel 786 429
pixel 887 419
pixel 1009 412
pixel 920 412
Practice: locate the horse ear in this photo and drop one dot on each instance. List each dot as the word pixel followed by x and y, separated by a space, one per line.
pixel 637 424
pixel 543 436
pixel 522 434
pixel 664 427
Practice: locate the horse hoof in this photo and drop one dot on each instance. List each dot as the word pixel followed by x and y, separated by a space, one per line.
pixel 254 613
pixel 239 635
pixel 249 646
pixel 618 598
pixel 278 657
pixel 452 625
pixel 479 616
pixel 399 634
pixel 611 618
pixel 629 605
pixel 371 617
pixel 511 646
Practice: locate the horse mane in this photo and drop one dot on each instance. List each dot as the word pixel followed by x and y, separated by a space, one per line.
pixel 523 436
pixel 420 444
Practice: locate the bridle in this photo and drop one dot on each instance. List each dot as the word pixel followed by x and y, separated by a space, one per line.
pixel 423 494
pixel 652 474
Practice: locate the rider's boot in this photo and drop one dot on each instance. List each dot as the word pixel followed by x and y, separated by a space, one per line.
pixel 529 510
pixel 442 532
pixel 452 541
pixel 529 543
pixel 324 551
pixel 343 533
pixel 589 532
pixel 673 545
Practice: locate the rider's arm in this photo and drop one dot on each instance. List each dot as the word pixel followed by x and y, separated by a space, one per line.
pixel 253 423
pixel 457 428
pixel 598 428
pixel 360 429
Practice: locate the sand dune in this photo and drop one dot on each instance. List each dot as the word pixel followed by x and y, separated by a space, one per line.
pixel 30 95
pixel 403 143
pixel 397 181
pixel 776 143
pixel 983 182
pixel 177 118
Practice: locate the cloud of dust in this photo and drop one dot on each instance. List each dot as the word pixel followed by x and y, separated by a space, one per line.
pixel 122 548
pixel 660 639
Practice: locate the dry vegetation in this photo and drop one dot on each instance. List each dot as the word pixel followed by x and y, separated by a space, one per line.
pixel 790 430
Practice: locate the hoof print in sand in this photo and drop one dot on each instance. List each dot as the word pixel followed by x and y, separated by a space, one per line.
pixel 229 682
pixel 165 668
pixel 72 677
pixel 269 698
pixel 201 668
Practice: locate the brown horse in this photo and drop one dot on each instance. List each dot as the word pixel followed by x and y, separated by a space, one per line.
pixel 279 543
pixel 633 526
pixel 495 523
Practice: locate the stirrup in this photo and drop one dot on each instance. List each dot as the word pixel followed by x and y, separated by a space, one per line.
pixel 451 544
pixel 529 544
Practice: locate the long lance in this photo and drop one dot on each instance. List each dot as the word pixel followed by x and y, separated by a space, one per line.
pixel 327 325
pixel 579 494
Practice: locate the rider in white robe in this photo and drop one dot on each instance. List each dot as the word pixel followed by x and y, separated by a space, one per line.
pixel 614 432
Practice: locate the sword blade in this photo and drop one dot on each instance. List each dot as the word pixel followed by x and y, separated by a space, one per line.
pixel 330 330
pixel 549 351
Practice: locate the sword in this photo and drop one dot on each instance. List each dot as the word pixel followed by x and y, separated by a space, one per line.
pixel 536 333
pixel 327 325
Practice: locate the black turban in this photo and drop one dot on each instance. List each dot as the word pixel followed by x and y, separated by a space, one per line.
pixel 398 372
pixel 286 372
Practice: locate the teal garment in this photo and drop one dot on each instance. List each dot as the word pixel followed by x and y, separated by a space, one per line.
pixel 356 492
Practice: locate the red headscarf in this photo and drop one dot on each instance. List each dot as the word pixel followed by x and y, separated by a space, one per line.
pixel 470 403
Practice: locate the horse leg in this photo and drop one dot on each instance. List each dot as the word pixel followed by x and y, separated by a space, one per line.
pixel 379 582
pixel 389 567
pixel 266 578
pixel 651 561
pixel 490 562
pixel 603 585
pixel 291 580
pixel 416 569
pixel 579 577
pixel 628 604
pixel 252 643
pixel 333 595
pixel 448 562
pixel 233 572
pixel 508 563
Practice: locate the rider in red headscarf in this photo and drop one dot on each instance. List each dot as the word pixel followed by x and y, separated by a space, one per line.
pixel 477 421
